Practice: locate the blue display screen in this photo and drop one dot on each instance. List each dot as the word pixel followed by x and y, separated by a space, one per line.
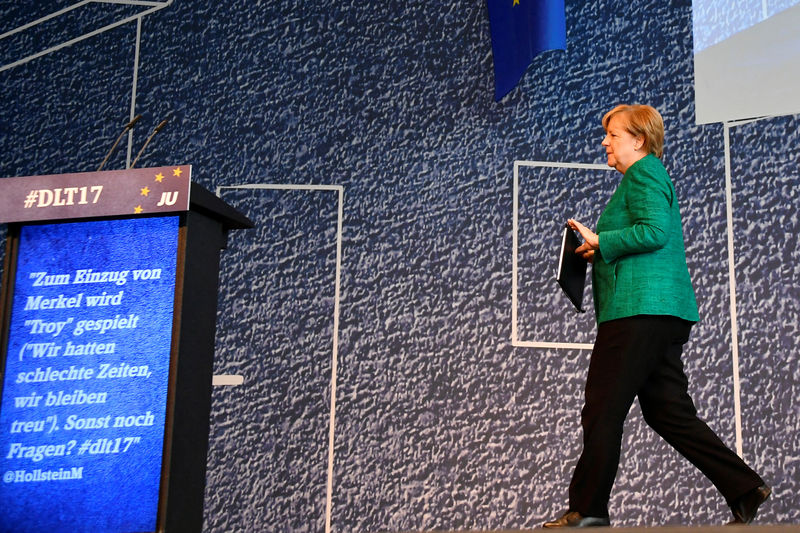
pixel 86 376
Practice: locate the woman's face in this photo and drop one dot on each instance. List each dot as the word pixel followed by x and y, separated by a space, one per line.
pixel 622 148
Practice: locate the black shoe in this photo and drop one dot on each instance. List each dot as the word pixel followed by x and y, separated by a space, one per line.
pixel 574 519
pixel 745 507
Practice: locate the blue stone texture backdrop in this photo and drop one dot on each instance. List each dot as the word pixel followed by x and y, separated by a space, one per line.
pixel 440 422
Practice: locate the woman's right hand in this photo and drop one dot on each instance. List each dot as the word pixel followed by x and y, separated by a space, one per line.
pixel 591 241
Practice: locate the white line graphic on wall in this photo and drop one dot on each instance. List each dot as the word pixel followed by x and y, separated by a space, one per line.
pixel 335 348
pixel 515 341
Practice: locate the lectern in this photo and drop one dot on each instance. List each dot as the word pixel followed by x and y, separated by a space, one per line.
pixel 108 315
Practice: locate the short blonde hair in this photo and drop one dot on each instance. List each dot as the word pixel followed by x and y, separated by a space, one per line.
pixel 641 120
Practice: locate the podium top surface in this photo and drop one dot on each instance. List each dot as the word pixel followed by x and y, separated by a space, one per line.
pixel 130 192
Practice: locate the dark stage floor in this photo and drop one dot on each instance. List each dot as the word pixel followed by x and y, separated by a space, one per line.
pixel 753 528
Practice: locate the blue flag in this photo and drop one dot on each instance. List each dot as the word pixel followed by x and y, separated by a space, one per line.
pixel 520 30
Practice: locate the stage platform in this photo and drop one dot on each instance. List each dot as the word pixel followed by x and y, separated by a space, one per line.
pixel 753 528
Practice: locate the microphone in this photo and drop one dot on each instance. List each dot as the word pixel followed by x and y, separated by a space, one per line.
pixel 127 128
pixel 150 138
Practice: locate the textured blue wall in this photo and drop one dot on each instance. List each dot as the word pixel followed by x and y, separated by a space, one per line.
pixel 440 422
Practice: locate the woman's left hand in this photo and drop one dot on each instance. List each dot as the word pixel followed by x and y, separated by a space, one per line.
pixel 590 240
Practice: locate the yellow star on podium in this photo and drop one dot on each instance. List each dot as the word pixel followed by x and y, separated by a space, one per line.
pixel 137 209
pixel 159 177
pixel 177 172
pixel 145 191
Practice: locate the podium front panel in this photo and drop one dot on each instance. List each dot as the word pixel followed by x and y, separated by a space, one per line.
pixel 86 374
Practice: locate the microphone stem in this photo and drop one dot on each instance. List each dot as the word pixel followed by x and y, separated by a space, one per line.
pixel 150 138
pixel 113 147
pixel 142 148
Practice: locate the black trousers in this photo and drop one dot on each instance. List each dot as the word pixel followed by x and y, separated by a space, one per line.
pixel 641 356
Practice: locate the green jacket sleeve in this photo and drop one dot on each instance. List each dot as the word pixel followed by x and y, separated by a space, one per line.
pixel 649 198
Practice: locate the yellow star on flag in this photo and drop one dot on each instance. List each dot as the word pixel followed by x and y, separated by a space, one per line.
pixel 159 177
pixel 145 191
pixel 177 172
pixel 516 3
pixel 137 209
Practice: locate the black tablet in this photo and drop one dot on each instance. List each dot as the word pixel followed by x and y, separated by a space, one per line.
pixel 571 275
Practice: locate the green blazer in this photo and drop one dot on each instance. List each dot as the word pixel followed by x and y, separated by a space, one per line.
pixel 640 268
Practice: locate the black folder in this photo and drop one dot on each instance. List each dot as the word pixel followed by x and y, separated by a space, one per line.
pixel 571 269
